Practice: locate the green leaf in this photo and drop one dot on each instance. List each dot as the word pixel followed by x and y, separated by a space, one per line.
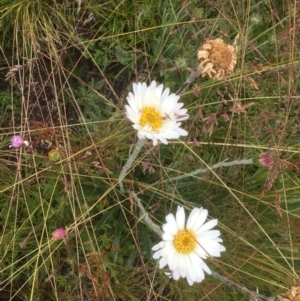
pixel 145 240
pixel 106 216
pixel 119 229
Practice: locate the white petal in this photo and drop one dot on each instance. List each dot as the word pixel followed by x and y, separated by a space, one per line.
pixel 158 246
pixel 206 268
pixel 135 87
pixel 183 273
pixel 158 92
pixel 169 105
pixel 211 247
pixel 163 262
pixel 168 236
pixel 165 94
pixel 173 260
pixel 180 218
pixel 191 272
pixel 201 220
pixel 189 279
pixel 169 274
pixel 162 139
pixel 200 273
pixel 132 115
pixel 171 134
pixel 193 218
pixel 170 229
pixel 181 132
pixel 210 234
pixel 207 226
pixel 176 274
pixel 164 252
pixel 161 253
pixel 195 259
pixel 201 252
pixel 149 95
pixel 156 255
pixel 155 102
pixel 132 102
pixel 170 218
pixel 168 125
pixel 182 261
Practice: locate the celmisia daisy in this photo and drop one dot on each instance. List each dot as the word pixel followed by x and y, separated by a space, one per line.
pixel 155 113
pixel 186 244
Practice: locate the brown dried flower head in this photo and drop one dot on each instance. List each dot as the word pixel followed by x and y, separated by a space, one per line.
pixel 217 59
pixel 293 294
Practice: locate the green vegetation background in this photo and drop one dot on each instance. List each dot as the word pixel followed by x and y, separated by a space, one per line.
pixel 66 68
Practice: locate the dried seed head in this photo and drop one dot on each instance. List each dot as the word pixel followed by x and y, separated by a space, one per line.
pixel 293 294
pixel 217 59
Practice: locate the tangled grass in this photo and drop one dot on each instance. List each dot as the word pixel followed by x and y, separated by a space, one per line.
pixel 68 69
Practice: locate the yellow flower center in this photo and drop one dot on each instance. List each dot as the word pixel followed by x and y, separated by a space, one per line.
pixel 150 116
pixel 185 242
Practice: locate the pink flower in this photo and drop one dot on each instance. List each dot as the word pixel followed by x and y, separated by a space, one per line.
pixel 17 141
pixel 59 233
pixel 266 160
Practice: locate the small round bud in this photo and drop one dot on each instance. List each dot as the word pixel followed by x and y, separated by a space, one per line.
pixel 54 155
pixel 59 233
pixel 17 141
pixel 265 160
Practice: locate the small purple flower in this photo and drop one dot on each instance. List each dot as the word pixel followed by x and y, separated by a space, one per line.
pixel 266 160
pixel 17 141
pixel 59 233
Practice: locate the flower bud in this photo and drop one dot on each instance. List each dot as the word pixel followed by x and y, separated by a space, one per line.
pixel 16 141
pixel 54 155
pixel 265 160
pixel 59 233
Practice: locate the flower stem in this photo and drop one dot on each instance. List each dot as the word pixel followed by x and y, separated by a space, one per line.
pixel 129 162
pixel 196 73
pixel 145 216
pixel 203 170
pixel 241 288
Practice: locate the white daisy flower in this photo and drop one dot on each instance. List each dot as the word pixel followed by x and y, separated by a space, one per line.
pixel 155 113
pixel 185 245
